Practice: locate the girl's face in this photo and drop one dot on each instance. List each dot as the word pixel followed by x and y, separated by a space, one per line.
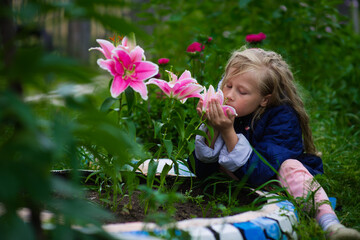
pixel 242 93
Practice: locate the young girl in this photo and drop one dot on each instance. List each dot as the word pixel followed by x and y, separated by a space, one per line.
pixel 271 122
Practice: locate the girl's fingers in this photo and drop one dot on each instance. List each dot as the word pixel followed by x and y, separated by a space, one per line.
pixel 230 114
pixel 212 108
pixel 200 104
pixel 199 109
pixel 217 109
pixel 216 115
pixel 208 117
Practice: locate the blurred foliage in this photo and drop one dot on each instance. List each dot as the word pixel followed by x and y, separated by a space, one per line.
pixel 35 136
pixel 69 130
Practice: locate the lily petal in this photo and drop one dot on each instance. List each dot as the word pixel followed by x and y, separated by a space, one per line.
pixel 173 77
pixel 163 85
pixel 118 86
pixel 145 70
pixel 124 41
pixel 179 85
pixel 210 94
pixel 108 65
pixel 140 87
pixel 121 56
pixel 128 43
pixel 191 89
pixel 185 74
pixel 137 54
pixel 232 110
pixel 195 95
pixel 106 48
pixel 220 96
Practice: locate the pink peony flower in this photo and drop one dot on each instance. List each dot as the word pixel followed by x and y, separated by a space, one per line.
pixel 163 61
pixel 180 88
pixel 209 39
pixel 207 96
pixel 255 38
pixel 127 64
pixel 195 47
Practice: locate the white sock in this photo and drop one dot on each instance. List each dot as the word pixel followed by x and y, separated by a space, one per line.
pixel 327 220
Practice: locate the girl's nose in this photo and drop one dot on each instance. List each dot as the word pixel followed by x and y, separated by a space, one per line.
pixel 229 95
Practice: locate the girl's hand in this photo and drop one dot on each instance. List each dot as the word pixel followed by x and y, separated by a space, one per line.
pixel 217 118
pixel 222 124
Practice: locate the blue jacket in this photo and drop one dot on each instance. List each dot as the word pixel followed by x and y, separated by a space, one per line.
pixel 276 137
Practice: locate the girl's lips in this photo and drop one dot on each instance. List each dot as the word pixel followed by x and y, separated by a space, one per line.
pixel 228 105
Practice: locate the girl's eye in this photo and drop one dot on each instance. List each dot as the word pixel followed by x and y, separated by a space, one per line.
pixel 242 92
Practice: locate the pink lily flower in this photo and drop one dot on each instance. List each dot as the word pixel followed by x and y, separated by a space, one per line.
pixel 207 96
pixel 183 88
pixel 128 69
pixel 107 47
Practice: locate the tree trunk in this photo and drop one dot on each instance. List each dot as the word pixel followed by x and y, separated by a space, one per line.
pixel 355 15
pixel 7 43
pixel 78 43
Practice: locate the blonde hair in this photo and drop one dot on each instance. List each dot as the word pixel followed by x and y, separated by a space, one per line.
pixel 274 77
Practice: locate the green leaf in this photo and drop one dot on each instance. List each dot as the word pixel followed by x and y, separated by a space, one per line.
pixel 202 133
pixel 191 127
pixel 131 129
pixel 106 105
pixel 179 124
pixel 64 188
pixel 151 172
pixel 110 83
pixel 157 128
pixel 243 3
pixel 191 146
pixel 164 173
pixel 130 98
pixel 169 147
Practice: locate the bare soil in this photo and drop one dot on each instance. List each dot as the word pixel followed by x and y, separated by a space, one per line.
pixel 190 208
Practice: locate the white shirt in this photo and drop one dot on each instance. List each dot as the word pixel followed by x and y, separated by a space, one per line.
pixel 230 160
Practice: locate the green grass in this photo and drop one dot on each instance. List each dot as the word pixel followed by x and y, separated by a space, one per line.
pixel 342 174
pixel 336 134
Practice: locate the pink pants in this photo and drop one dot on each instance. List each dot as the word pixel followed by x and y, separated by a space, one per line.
pixel 298 181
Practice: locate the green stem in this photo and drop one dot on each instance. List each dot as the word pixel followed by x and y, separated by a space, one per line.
pixel 167 123
pixel 193 68
pixel 188 138
pixel 120 107
pixel 159 152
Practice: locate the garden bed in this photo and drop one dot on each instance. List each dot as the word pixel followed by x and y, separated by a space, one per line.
pixel 200 200
pixel 190 207
pixel 208 218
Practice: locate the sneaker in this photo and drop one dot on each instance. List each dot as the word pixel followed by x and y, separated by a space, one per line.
pixel 340 232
